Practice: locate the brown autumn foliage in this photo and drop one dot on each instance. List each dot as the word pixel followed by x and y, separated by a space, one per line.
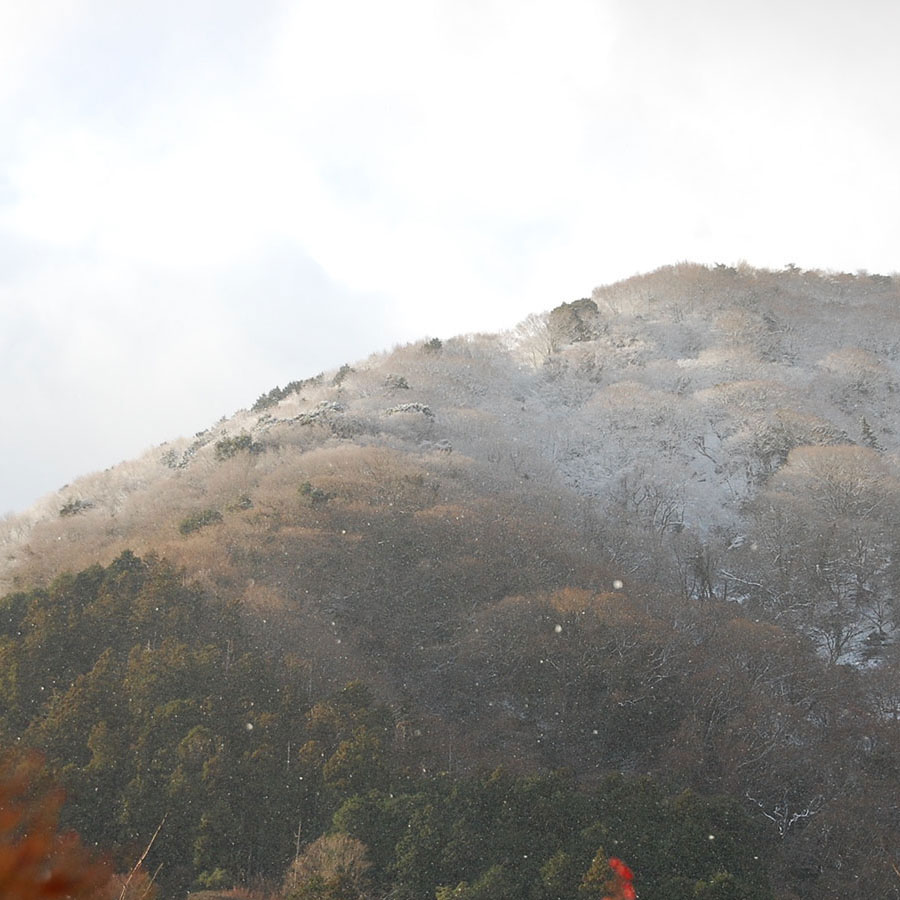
pixel 37 860
pixel 333 865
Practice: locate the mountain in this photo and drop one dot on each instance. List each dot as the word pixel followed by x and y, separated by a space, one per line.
pixel 649 531
pixel 681 422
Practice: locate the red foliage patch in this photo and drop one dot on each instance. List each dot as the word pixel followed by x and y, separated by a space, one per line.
pixel 622 887
pixel 37 862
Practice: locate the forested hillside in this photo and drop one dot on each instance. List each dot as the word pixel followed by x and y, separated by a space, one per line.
pixel 632 565
pixel 154 704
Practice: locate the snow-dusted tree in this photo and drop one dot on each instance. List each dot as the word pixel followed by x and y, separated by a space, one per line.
pixel 535 339
pixel 859 371
pixel 823 548
pixel 764 442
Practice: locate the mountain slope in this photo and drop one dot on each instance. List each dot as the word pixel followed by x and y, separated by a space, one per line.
pixel 653 531
pixel 666 418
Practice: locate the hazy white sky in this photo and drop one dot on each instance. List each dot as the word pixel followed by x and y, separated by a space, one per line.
pixel 204 198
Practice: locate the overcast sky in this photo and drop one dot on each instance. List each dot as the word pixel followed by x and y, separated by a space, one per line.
pixel 201 199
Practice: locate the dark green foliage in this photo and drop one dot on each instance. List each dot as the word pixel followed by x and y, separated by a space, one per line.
pixel 313 496
pixel 504 836
pixel 228 447
pixel 147 698
pixel 152 702
pixel 869 438
pixel 435 345
pixel 558 876
pixel 497 883
pixel 396 382
pixel 593 884
pixel 345 370
pixel 358 764
pixel 75 506
pixel 264 401
pixel 12 610
pixel 378 819
pixel 197 520
pixel 269 399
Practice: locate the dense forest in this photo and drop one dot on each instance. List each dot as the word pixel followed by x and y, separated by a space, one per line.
pixel 472 617
pixel 155 708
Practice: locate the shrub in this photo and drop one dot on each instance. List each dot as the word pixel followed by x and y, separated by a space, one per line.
pixel 411 408
pixel 396 382
pixel 231 446
pixel 333 866
pixel 264 401
pixel 216 880
pixel 313 496
pixel 345 370
pixel 239 503
pixel 200 519
pixel 73 507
